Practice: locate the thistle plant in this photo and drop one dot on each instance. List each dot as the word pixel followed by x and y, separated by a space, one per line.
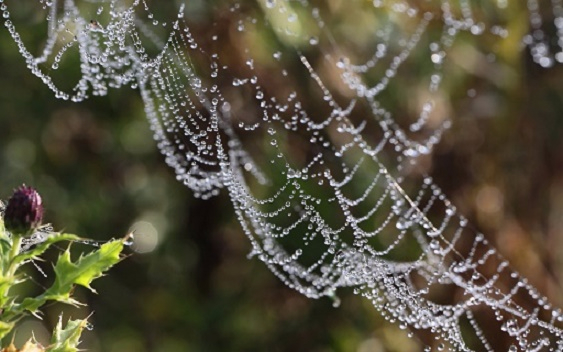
pixel 24 212
pixel 24 239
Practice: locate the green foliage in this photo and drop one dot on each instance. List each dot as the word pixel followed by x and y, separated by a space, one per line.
pixel 66 339
pixel 68 274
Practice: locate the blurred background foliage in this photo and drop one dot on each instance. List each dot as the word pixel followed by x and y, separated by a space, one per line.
pixel 101 176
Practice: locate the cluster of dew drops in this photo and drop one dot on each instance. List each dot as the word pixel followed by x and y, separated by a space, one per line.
pixel 180 107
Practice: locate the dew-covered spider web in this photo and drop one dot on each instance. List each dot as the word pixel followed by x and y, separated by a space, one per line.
pixel 292 107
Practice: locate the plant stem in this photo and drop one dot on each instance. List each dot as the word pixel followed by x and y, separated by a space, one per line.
pixel 14 251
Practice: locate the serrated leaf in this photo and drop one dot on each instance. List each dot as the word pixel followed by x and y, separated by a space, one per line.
pixel 5 328
pixel 67 339
pixel 82 272
pixel 86 268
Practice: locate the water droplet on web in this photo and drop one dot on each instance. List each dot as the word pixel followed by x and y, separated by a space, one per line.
pixel 436 58
pixel 130 240
pixel 366 194
pixel 402 224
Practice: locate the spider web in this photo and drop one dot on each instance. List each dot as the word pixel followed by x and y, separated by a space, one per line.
pixel 325 167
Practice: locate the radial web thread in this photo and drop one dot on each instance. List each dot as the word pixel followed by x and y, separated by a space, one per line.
pixel 326 178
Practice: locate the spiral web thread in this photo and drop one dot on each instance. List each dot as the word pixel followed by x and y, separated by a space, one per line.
pixel 348 211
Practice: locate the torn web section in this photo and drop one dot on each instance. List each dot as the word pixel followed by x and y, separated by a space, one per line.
pixel 91 41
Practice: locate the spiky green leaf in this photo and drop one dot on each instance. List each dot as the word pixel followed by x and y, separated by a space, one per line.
pixel 81 272
pixel 5 328
pixel 67 339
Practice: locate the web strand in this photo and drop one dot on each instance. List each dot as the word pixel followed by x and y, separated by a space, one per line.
pixel 333 193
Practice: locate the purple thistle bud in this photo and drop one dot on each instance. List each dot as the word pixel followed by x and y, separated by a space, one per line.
pixel 24 211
